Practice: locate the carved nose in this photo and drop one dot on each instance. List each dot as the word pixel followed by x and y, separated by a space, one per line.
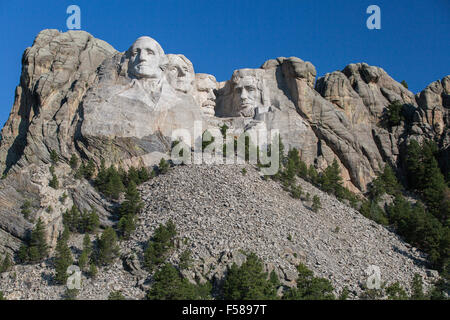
pixel 143 56
pixel 211 95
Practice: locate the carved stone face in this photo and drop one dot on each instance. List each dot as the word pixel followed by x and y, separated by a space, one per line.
pixel 145 58
pixel 247 95
pixel 180 73
pixel 205 96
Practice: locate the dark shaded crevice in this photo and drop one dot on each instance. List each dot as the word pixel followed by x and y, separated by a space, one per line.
pixel 17 148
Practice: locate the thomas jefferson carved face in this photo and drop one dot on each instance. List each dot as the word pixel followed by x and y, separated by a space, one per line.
pixel 146 57
pixel 205 96
pixel 180 73
pixel 247 92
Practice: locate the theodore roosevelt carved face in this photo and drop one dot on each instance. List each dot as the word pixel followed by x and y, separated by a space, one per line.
pixel 205 85
pixel 146 58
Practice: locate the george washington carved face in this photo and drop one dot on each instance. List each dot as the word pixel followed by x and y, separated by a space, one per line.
pixel 145 58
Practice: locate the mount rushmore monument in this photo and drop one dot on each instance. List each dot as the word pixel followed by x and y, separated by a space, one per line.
pixel 78 95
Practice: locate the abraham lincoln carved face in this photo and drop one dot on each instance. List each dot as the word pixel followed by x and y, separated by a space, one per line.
pixel 247 89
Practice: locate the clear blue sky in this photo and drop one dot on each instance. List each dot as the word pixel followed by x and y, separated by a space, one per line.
pixel 221 36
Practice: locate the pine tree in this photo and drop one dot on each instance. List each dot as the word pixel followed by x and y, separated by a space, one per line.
pixel 417 288
pixel 107 247
pixel 63 260
pixel 114 185
pixel 53 156
pixel 93 271
pixel 163 166
pixel 116 295
pixel 303 170
pixel 396 292
pixel 63 198
pixel 33 255
pixel 54 183
pixel 159 245
pixel 122 174
pixel 143 174
pixel 170 285
pixel 313 176
pixel 72 219
pixel 290 171
pixel 376 188
pixel 394 114
pixel 425 177
pixel 296 191
pixel 390 181
pixel 316 206
pixel 83 261
pixel 26 209
pixel 249 281
pixel 310 287
pixel 370 209
pixel 404 84
pixel 71 294
pixel 434 187
pixel 414 167
pixel 185 260
pixel 6 264
pixel 38 248
pixel 126 225
pixel 89 169
pixel 331 179
pixel 73 162
pixel 102 177
pixel 133 176
pixel 80 172
pixel 65 234
pixel 93 222
pixel 23 253
pixel 133 203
